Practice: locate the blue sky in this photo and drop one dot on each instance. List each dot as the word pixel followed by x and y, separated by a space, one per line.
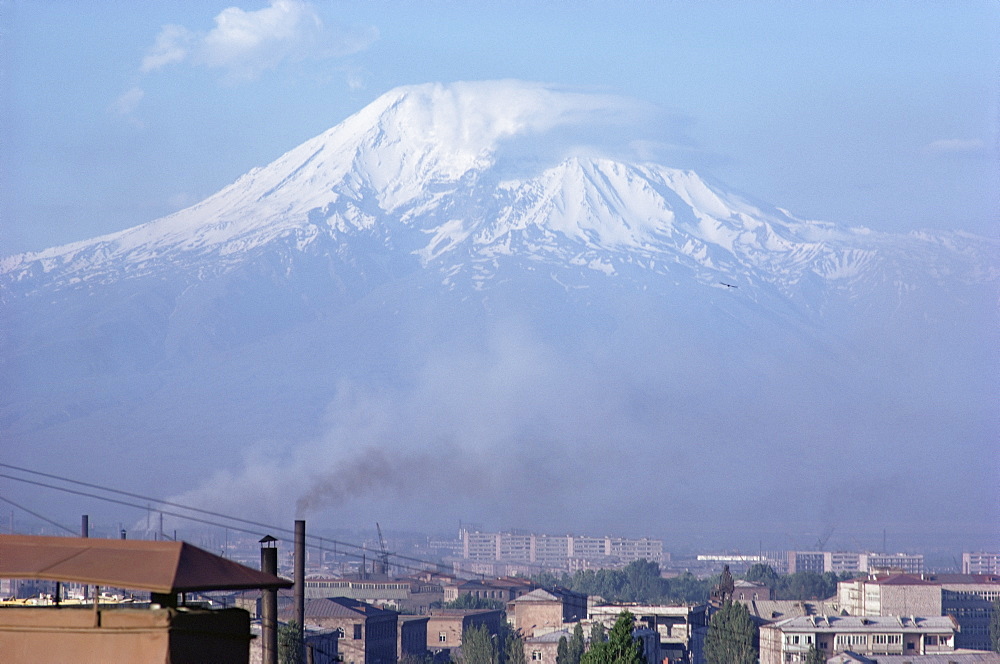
pixel 882 114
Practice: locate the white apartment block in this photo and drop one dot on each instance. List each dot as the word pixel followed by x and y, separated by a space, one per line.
pixel 981 563
pixel 557 550
pixel 847 561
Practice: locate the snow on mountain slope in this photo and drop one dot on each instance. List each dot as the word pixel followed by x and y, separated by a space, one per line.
pixel 417 168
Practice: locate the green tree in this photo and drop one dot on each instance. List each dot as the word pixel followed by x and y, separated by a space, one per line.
pixel 577 645
pixel 469 601
pixel 806 585
pixel 689 588
pixel 290 649
pixel 597 633
pixel 762 573
pixel 814 656
pixel 478 646
pixel 995 626
pixel 514 648
pixel 562 651
pixel 731 636
pixel 620 648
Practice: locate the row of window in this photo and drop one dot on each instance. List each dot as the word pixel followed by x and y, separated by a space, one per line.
pixel 350 584
pixel 878 639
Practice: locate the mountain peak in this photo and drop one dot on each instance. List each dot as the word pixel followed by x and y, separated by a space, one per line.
pixel 423 169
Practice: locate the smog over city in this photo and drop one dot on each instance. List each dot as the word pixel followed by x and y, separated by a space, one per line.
pixel 720 274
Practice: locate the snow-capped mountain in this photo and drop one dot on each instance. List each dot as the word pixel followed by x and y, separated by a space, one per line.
pixel 418 169
pixel 426 270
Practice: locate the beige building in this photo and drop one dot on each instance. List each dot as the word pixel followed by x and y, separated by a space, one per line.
pixel 789 640
pixel 674 625
pixel 542 611
pixel 368 634
pixel 503 589
pixel 446 626
pixel 895 595
pixel 968 598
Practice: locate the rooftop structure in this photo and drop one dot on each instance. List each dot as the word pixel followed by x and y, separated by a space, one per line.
pixel 104 634
pixel 790 640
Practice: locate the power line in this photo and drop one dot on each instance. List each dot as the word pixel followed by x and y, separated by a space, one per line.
pixel 264 526
pixel 142 497
pixel 37 515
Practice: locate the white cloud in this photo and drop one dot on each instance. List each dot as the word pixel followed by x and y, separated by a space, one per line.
pixel 124 106
pixel 127 102
pixel 248 43
pixel 172 46
pixel 956 146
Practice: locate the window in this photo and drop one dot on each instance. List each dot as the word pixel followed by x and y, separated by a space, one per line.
pixel 442 637
pixel 357 631
pixel 536 655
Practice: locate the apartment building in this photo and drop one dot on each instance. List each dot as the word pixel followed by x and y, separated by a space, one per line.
pixel 981 563
pixel 965 597
pixel 556 551
pixel 790 640
pixel 848 561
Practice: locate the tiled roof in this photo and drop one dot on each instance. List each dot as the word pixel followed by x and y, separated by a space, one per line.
pixel 341 607
pixel 902 580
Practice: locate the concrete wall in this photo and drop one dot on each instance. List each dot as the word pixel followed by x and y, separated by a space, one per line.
pixel 55 636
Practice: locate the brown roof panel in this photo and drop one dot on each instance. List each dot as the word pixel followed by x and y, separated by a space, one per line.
pixel 161 567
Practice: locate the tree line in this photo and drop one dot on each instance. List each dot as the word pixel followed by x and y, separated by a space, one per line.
pixel 640 581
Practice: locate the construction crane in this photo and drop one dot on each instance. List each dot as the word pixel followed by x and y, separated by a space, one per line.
pixel 383 557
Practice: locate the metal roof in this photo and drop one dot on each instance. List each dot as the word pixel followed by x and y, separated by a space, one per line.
pixel 159 567
pixel 866 624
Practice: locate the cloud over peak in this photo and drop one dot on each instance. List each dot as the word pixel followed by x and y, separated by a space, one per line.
pixel 247 43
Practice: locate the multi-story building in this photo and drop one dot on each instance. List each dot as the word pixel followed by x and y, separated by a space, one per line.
pixel 847 561
pixel 981 563
pixel 503 589
pixel 410 594
pixel 555 551
pixel 543 610
pixel 790 640
pixel 674 625
pixel 967 598
pixel 411 645
pixel 446 626
pixel 894 595
pixel 970 599
pixel 807 561
pixel 898 562
pixel 368 634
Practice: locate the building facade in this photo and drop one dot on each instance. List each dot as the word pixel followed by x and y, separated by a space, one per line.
pixel 981 563
pixel 446 626
pixel 542 611
pixel 556 551
pixel 790 640
pixel 847 561
pixel 968 598
pixel 367 634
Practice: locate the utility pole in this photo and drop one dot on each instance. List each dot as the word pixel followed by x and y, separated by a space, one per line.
pixel 300 579
pixel 269 602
